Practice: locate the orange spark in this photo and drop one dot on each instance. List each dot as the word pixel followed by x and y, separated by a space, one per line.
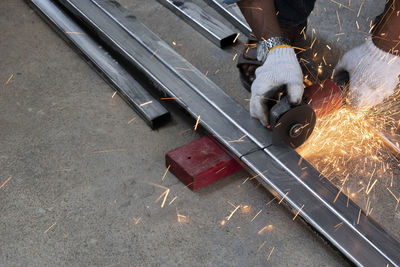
pixel 63 170
pixel 181 218
pixel 269 202
pixel 5 182
pixel 347 143
pixel 233 212
pixel 146 103
pixel 136 220
pixel 223 168
pixel 268 227
pixel 165 173
pixel 155 52
pixel 234 57
pixel 337 226
pixel 131 120
pixel 255 216
pixel 369 190
pixel 238 140
pixel 338 18
pixel 107 151
pixel 390 191
pixel 165 195
pixel 237 36
pixel 9 79
pixel 341 5
pixel 197 123
pixel 298 212
pixel 272 250
pixel 261 246
pixel 181 68
pixel 359 10
pixel 172 201
pixel 340 191
pixel 280 201
pixel 170 98
pixel 245 209
pixel 48 229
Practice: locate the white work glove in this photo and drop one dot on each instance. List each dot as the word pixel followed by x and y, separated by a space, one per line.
pixel 281 68
pixel 373 74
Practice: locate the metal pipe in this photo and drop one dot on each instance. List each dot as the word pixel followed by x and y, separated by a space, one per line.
pixel 311 196
pixel 207 25
pixel 146 61
pixel 149 108
pixel 232 14
pixel 187 73
pixel 348 229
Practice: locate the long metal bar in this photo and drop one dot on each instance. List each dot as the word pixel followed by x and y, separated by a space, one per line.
pixel 186 72
pixel 133 44
pixel 149 108
pixel 363 241
pixel 367 233
pixel 232 14
pixel 207 25
pixel 146 62
pixel 353 233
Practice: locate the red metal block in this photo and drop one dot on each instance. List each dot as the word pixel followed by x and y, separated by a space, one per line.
pixel 200 163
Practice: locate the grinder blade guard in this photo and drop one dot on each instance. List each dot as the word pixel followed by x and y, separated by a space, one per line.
pixel 291 125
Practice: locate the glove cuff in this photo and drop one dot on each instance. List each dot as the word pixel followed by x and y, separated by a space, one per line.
pixel 381 55
pixel 284 53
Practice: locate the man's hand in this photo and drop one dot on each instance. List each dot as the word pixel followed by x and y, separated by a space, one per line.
pixel 281 68
pixel 373 74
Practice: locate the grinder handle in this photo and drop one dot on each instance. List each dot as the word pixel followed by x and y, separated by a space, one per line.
pixel 277 103
pixel 277 110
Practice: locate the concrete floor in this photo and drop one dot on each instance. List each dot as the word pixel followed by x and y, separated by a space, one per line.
pixel 79 192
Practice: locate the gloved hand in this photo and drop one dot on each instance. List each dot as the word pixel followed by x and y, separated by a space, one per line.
pixel 281 68
pixel 373 74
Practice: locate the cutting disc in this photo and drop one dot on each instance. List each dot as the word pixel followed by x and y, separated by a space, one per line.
pixel 295 126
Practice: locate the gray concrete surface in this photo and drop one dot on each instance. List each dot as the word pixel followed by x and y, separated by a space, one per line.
pixel 79 193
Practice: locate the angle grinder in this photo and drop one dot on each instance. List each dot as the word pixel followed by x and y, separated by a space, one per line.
pixel 290 124
pixel 293 124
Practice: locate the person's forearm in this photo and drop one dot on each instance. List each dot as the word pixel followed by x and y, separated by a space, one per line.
pixel 386 34
pixel 261 17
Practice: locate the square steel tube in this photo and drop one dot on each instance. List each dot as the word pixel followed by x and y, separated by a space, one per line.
pixel 211 28
pixel 278 167
pixel 153 113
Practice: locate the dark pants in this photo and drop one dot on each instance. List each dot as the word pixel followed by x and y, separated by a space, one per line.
pixel 291 12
